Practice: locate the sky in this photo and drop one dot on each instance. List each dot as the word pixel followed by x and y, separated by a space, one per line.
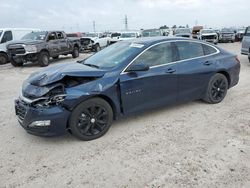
pixel 109 15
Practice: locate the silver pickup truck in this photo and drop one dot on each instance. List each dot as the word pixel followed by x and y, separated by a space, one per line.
pixel 245 49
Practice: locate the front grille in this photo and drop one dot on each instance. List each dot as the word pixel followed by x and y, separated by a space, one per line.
pixel 14 51
pixel 209 37
pixel 21 110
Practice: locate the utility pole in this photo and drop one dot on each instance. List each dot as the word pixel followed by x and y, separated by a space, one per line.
pixel 126 22
pixel 94 26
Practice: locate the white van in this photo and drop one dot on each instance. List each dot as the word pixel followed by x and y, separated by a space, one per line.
pixel 9 34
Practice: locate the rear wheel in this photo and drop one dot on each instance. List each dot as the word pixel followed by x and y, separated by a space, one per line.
pixel 75 52
pixel 91 119
pixel 3 58
pixel 217 89
pixel 43 59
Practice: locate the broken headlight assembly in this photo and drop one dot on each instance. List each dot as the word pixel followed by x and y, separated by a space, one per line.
pixel 49 101
pixel 52 98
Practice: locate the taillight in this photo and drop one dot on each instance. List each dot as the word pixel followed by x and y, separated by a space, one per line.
pixel 237 59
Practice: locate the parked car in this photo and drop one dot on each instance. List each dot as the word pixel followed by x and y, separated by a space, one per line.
pixel 227 35
pixel 124 78
pixel 245 49
pixel 10 34
pixel 183 32
pixel 152 33
pixel 94 41
pixel 195 31
pixel 208 35
pixel 239 34
pixel 114 37
pixel 127 35
pixel 40 46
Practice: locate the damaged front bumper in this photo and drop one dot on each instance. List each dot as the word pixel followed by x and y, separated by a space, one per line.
pixel 41 121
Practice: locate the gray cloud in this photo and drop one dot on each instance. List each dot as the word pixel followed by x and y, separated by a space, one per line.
pixel 108 15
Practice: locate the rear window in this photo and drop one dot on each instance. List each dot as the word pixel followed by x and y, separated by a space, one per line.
pixel 188 50
pixel 208 49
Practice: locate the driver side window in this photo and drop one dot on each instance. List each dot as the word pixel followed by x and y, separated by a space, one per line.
pixel 52 36
pixel 157 55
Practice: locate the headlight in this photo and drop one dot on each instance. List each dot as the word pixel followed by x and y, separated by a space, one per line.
pixel 30 48
pixel 49 101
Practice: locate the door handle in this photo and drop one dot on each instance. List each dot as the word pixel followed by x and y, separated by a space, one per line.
pixel 207 63
pixel 170 70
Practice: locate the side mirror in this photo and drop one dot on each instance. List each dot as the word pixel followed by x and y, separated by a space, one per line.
pixel 138 67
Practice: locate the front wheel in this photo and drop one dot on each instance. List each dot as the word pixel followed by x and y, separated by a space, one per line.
pixel 16 63
pixel 43 59
pixel 75 52
pixel 97 48
pixel 91 119
pixel 217 89
pixel 3 58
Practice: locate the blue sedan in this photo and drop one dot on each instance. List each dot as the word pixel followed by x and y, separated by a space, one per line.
pixel 122 79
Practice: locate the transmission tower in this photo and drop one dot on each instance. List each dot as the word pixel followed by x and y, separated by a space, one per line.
pixel 126 22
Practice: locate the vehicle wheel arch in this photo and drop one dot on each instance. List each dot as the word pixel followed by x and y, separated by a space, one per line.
pixel 104 97
pixel 44 50
pixel 227 75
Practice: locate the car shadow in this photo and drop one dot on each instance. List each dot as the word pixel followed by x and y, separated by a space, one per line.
pixel 69 138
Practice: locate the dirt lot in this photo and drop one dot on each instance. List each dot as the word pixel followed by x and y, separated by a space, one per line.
pixel 188 145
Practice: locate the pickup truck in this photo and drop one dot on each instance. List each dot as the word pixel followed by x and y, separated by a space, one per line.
pixel 40 46
pixel 94 41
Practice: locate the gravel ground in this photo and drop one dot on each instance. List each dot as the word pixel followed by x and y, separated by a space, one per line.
pixel 188 145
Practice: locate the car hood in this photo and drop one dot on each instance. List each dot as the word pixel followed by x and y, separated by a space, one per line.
pixel 26 42
pixel 56 73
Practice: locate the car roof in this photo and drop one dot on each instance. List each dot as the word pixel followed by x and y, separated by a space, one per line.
pixel 154 40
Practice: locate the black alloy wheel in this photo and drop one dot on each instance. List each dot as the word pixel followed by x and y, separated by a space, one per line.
pixel 91 119
pixel 3 58
pixel 217 89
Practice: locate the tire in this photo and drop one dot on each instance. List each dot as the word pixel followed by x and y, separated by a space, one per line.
pixel 217 89
pixel 15 63
pixel 97 48
pixel 75 52
pixel 43 59
pixel 55 57
pixel 91 119
pixel 3 58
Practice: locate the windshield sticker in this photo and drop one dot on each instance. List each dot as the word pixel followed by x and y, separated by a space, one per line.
pixel 136 45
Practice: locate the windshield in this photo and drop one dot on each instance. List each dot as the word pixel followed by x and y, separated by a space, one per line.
pixel 1 32
pixel 35 36
pixel 113 55
pixel 178 31
pixel 227 30
pixel 152 33
pixel 207 31
pixel 91 35
pixel 128 35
